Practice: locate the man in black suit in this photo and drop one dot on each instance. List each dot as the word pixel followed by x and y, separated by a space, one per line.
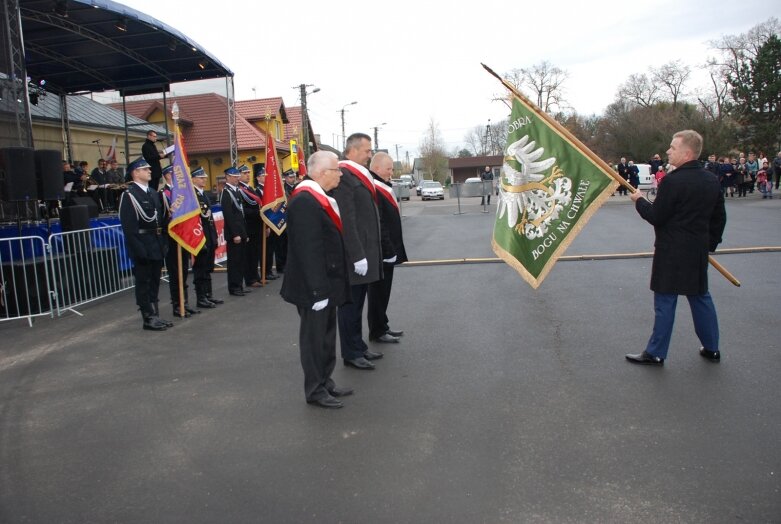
pixel 316 279
pixel 393 251
pixel 141 215
pixel 356 196
pixel 152 157
pixel 622 172
pixel 203 264
pixel 688 217
pixel 235 232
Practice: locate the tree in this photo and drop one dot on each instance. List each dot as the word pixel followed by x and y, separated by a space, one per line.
pixel 639 89
pixel 756 90
pixel 433 153
pixel 465 153
pixel 671 77
pixel 545 83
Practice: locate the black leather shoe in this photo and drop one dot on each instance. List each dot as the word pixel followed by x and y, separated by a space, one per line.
pixel 645 358
pixel 394 333
pixel 386 339
pixel 713 356
pixel 205 304
pixel 326 402
pixel 236 293
pixel 359 363
pixel 246 290
pixel 154 324
pixel 372 355
pixel 191 311
pixel 271 277
pixel 187 314
pixel 217 301
pixel 341 392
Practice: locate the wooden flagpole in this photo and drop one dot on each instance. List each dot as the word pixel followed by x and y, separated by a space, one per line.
pixel 181 278
pixel 563 131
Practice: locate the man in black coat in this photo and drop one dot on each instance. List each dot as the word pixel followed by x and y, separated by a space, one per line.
pixel 688 216
pixel 235 232
pixel 356 196
pixel 203 264
pixel 621 168
pixel 152 157
pixel 393 251
pixel 141 215
pixel 250 200
pixel 316 279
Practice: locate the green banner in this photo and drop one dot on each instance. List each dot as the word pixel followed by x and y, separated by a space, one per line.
pixel 550 186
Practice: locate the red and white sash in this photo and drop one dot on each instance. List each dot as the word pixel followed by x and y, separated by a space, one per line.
pixel 387 193
pixel 328 204
pixel 362 174
pixel 247 191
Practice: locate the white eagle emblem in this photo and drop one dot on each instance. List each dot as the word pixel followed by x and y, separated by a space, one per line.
pixel 530 199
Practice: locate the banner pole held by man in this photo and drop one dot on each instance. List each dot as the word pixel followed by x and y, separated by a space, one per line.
pixel 551 185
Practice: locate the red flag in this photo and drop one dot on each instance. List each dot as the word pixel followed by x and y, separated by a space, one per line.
pixel 274 210
pixel 301 162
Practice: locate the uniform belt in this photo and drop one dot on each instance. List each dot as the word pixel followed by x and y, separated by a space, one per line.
pixel 158 231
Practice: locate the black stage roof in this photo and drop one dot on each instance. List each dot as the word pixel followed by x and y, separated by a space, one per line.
pixel 78 46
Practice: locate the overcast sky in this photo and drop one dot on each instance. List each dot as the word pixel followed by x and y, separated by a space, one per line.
pixel 406 62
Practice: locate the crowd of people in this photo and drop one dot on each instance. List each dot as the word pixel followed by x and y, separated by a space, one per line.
pixel 342 240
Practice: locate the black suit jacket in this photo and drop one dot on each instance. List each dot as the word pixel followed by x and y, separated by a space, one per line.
pixel 688 216
pixel 147 245
pixel 152 156
pixel 252 218
pixel 390 225
pixel 207 222
pixel 361 226
pixel 316 266
pixel 233 215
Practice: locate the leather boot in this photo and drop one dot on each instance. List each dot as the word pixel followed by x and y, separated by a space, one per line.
pixel 156 310
pixel 209 296
pixel 152 323
pixel 176 313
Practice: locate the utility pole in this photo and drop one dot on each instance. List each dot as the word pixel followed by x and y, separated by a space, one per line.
pixel 397 152
pixel 376 140
pixel 343 135
pixel 305 115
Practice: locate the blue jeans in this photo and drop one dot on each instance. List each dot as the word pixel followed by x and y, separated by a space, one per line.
pixel 706 324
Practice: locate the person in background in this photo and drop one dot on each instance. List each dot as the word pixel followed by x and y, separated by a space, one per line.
pixel 634 174
pixel 621 168
pixel 752 167
pixel 203 263
pixel 688 216
pixel 764 183
pixel 742 179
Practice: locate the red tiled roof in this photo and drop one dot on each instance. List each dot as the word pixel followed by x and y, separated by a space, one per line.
pixel 208 115
pixel 293 127
pixel 259 108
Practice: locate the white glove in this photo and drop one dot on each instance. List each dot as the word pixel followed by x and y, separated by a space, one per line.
pixel 317 306
pixel 390 260
pixel 362 266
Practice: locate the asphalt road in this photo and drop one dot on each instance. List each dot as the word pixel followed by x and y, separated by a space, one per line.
pixel 501 403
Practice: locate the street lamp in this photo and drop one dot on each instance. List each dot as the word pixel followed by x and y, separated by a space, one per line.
pixel 376 141
pixel 345 105
pixel 305 115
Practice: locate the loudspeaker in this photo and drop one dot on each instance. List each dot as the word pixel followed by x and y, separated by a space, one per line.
pixel 49 175
pixel 74 218
pixel 92 207
pixel 17 172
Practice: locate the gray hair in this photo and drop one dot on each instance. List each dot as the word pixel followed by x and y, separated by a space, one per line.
pixel 318 162
pixel 692 140
pixel 380 156
pixel 354 140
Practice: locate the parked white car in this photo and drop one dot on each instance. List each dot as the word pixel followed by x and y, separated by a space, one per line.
pixel 432 189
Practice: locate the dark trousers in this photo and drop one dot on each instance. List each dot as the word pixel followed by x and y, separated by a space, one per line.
pixel 706 324
pixel 280 252
pixel 147 277
pixel 351 324
pixel 377 309
pixel 317 346
pixel 236 260
pixel 171 263
pixel 253 259
pixel 203 265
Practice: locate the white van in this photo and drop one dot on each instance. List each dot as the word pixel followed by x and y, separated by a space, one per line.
pixel 646 177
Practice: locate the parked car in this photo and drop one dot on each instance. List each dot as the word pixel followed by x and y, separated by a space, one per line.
pixel 432 189
pixel 646 177
pixel 419 186
pixel 408 180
